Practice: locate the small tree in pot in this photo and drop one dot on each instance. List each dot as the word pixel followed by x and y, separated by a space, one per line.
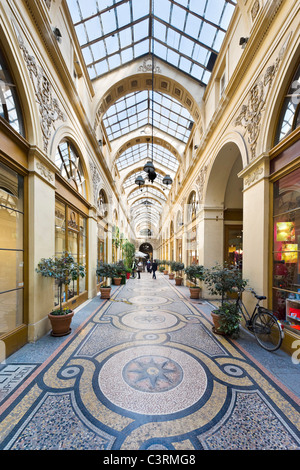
pixel 177 267
pixel 63 269
pixel 194 272
pixel 106 271
pixel 222 280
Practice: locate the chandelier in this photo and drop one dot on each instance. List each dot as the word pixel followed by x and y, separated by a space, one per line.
pixel 149 167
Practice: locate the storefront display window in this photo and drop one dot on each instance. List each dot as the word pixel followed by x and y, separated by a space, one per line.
pixel 11 249
pixel 72 240
pixel 286 243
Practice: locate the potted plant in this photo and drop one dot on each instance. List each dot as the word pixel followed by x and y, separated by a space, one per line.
pixel 227 319
pixel 161 269
pixel 128 251
pixel 222 280
pixel 106 271
pixel 194 272
pixel 63 269
pixel 177 267
pixel 165 263
pixel 119 271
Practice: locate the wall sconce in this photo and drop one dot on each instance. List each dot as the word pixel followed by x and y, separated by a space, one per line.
pixel 243 42
pixel 57 34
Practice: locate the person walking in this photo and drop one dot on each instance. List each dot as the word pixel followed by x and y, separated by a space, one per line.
pixel 149 266
pixel 154 269
pixel 139 269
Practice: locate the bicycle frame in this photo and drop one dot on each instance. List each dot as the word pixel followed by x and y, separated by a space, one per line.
pixel 244 311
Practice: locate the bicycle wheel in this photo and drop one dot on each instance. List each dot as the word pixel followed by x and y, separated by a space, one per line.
pixel 267 330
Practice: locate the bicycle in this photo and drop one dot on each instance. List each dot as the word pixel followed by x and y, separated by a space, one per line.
pixel 263 324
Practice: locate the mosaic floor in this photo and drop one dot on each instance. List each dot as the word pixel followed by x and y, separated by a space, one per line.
pixel 145 371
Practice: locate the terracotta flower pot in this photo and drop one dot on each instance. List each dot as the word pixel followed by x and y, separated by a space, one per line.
pixel 61 324
pixel 117 281
pixel 105 292
pixel 165 272
pixel 178 281
pixel 217 323
pixel 171 275
pixel 195 292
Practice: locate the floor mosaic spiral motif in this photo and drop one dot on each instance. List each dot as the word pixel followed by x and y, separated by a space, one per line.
pixel 146 371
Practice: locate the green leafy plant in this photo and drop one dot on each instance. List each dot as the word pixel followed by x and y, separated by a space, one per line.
pixel 128 250
pixel 63 269
pixel 229 319
pixel 176 266
pixel 224 279
pixel 106 271
pixel 194 272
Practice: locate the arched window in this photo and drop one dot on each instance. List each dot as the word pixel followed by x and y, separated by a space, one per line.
pixel 192 206
pixel 69 164
pixel 10 108
pixel 290 113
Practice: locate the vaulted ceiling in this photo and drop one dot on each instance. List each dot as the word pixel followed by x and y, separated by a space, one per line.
pixel 184 34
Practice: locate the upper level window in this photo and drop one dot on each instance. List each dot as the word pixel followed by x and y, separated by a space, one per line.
pixel 70 167
pixel 10 109
pixel 290 115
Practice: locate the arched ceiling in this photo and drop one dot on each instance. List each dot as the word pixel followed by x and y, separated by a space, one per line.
pixel 154 108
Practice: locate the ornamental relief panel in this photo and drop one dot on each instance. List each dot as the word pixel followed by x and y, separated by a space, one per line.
pixel 49 107
pixel 250 114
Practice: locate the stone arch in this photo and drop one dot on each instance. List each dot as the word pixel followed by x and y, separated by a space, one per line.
pixel 143 81
pixel 147 139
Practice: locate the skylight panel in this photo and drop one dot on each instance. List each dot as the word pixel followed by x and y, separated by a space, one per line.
pixel 140 30
pixel 123 14
pixel 139 9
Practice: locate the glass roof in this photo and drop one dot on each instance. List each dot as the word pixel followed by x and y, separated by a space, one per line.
pixel 134 111
pixel 187 33
pixel 143 152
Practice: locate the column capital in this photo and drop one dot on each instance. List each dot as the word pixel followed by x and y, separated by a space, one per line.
pixel 256 171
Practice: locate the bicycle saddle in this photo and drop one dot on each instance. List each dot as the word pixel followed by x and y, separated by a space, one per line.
pixel 260 297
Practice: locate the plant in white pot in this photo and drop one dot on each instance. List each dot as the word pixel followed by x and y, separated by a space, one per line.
pixel 63 269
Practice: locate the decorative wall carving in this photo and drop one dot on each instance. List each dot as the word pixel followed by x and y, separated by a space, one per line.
pixel 96 179
pixel 48 105
pixel 200 182
pixel 250 114
pixel 44 172
pixel 255 9
pixel 147 66
pixel 254 176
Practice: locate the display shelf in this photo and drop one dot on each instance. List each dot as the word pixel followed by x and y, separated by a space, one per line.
pixel 292 303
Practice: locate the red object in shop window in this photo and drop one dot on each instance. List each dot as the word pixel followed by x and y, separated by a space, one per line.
pixel 295 313
pixel 296 327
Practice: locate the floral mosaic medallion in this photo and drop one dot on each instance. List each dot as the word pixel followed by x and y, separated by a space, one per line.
pixel 149 320
pixel 152 374
pixel 153 380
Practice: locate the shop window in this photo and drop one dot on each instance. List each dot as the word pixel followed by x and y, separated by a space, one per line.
pixel 286 243
pixel 10 109
pixel 290 113
pixel 11 250
pixel 70 235
pixel 70 167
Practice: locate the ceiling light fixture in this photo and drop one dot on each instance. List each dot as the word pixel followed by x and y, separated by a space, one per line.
pixel 149 166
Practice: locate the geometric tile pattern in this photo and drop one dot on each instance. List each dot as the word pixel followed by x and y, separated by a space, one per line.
pixel 145 371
